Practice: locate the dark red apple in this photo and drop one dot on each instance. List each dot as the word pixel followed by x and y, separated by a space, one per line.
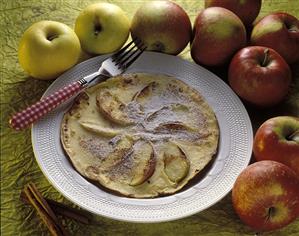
pixel 277 139
pixel 279 31
pixel 259 75
pixel 266 195
pixel 162 26
pixel 246 10
pixel 218 34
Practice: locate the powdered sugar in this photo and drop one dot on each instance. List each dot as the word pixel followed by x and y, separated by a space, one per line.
pixel 96 146
pixel 160 112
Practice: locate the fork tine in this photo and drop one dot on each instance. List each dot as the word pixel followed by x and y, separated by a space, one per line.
pixel 121 59
pixel 126 65
pixel 122 50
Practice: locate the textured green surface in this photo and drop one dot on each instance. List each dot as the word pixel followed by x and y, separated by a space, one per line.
pixel 18 165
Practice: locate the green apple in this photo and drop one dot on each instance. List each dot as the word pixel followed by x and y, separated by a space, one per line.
pixel 48 48
pixel 102 28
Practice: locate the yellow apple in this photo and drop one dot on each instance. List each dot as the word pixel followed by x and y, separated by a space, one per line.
pixel 102 28
pixel 48 48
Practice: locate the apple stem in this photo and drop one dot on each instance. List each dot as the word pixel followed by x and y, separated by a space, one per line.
pixel 265 61
pixel 294 136
pixel 291 27
pixel 270 212
pixel 97 28
pixel 50 38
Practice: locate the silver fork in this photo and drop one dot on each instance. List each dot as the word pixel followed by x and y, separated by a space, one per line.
pixel 114 65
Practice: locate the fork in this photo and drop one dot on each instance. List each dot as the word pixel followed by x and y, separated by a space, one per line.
pixel 112 66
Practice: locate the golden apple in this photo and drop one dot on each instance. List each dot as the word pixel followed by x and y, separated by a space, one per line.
pixel 102 28
pixel 48 48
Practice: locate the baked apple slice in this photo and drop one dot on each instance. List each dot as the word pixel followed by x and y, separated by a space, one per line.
pixel 96 128
pixel 175 126
pixel 144 163
pixel 176 164
pixel 112 108
pixel 130 163
pixel 123 148
pixel 144 94
pixel 168 110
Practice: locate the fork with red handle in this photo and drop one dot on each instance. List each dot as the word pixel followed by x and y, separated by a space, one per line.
pixel 114 65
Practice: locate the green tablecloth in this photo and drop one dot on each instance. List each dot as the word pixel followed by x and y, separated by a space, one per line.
pixel 18 165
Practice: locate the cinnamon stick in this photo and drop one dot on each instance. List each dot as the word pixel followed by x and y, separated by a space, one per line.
pixel 64 210
pixel 70 212
pixel 44 211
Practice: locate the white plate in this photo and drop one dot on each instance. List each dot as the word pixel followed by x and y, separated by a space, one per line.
pixel 233 155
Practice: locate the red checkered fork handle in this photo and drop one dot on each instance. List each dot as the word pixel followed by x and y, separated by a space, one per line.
pixel 31 114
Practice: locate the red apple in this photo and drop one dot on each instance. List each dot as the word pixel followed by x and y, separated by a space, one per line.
pixel 279 31
pixel 163 26
pixel 259 75
pixel 266 195
pixel 247 10
pixel 277 139
pixel 218 34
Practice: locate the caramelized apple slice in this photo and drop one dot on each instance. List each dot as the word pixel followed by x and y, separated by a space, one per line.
pixel 122 150
pixel 178 107
pixel 176 164
pixel 176 125
pixel 112 108
pixel 144 93
pixel 96 128
pixel 132 166
pixel 144 163
pixel 174 108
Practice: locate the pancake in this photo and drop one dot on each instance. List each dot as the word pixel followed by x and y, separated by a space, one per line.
pixel 140 135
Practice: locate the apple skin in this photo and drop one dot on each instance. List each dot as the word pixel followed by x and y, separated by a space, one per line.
pixel 102 28
pixel 260 76
pixel 266 195
pixel 163 26
pixel 246 10
pixel 277 139
pixel 218 34
pixel 47 49
pixel 279 31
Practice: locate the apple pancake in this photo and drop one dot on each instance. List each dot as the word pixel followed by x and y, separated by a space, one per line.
pixel 141 135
